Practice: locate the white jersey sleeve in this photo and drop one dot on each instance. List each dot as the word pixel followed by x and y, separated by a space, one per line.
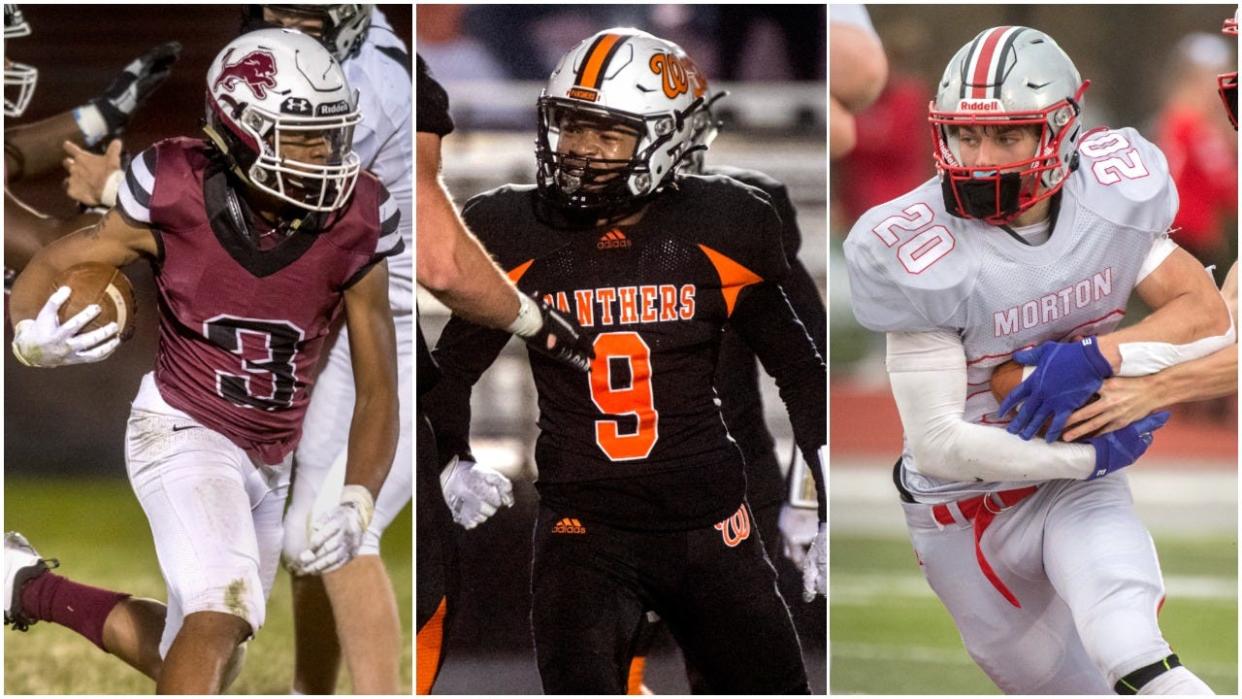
pixel 927 372
pixel 1125 180
pixel 383 141
pixel 907 272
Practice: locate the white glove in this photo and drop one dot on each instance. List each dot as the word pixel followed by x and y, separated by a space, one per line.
pixel 797 526
pixel 474 492
pixel 44 342
pixel 815 567
pixel 337 534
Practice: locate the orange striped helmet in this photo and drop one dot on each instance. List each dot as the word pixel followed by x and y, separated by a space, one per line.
pixel 636 81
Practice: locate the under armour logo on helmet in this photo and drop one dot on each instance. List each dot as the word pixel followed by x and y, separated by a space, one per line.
pixel 256 69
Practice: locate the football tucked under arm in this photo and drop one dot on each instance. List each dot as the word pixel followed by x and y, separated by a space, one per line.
pixel 927 373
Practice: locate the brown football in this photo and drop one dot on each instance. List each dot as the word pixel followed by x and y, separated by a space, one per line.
pixel 1006 377
pixel 98 283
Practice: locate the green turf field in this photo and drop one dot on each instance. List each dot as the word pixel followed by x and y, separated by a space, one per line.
pixel 98 531
pixel 890 635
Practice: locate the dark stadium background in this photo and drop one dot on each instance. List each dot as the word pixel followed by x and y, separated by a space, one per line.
pixel 72 420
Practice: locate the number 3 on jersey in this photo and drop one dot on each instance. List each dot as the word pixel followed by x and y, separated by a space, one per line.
pixel 266 350
pixel 615 395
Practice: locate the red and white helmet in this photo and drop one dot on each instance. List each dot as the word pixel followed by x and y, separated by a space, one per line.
pixel 19 78
pixel 274 83
pixel 625 76
pixel 1227 83
pixel 1007 76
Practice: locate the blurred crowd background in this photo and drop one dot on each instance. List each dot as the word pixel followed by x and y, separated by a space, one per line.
pixel 493 60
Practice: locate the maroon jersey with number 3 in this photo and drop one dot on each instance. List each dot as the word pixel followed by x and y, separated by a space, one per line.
pixel 241 323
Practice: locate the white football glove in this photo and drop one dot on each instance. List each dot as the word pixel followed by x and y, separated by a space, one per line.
pixel 474 492
pixel 815 567
pixel 797 526
pixel 337 534
pixel 44 342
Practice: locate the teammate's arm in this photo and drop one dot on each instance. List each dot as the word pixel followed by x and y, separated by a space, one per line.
pixel 452 265
pixel 455 268
pixel 927 373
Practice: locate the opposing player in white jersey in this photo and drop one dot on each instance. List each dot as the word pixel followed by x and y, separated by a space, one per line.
pixel 363 609
pixel 1036 232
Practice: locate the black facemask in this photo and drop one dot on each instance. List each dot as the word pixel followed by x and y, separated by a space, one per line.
pixel 983 199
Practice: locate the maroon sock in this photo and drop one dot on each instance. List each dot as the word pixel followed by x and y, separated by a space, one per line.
pixel 60 600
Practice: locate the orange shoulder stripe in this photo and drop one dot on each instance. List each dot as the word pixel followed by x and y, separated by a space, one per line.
pixel 733 276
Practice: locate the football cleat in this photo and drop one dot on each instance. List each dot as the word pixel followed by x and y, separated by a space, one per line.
pixel 21 565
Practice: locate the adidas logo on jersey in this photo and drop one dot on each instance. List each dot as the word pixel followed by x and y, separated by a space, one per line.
pixel 612 239
pixel 568 525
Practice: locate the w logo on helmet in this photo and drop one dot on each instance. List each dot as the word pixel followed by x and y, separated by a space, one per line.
pixel 257 70
pixel 676 77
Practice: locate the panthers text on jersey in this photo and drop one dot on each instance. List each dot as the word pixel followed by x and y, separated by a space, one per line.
pixel 241 328
pixel 915 268
pixel 639 441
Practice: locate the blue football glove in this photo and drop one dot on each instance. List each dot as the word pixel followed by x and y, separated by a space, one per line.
pixel 1116 450
pixel 1066 375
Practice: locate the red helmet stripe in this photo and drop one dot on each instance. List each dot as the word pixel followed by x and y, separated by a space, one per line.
pixel 983 62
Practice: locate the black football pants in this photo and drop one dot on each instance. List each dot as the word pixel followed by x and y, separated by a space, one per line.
pixel 713 586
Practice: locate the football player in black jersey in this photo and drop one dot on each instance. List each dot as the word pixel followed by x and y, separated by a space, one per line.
pixel 781 518
pixel 454 268
pixel 642 489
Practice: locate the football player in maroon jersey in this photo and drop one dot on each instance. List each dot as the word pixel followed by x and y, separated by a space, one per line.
pixel 261 236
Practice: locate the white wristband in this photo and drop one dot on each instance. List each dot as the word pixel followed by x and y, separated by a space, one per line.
pixel 528 320
pixel 361 498
pixel 108 196
pixel 1143 358
pixel 91 123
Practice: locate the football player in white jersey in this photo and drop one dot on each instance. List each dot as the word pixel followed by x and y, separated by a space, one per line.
pixel 1034 235
pixel 357 614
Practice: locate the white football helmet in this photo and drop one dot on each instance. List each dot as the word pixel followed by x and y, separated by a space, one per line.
pixel 273 85
pixel 19 78
pixel 344 26
pixel 705 126
pixel 1007 76
pixel 623 76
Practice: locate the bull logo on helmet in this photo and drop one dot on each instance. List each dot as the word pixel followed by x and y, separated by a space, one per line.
pixel 257 70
